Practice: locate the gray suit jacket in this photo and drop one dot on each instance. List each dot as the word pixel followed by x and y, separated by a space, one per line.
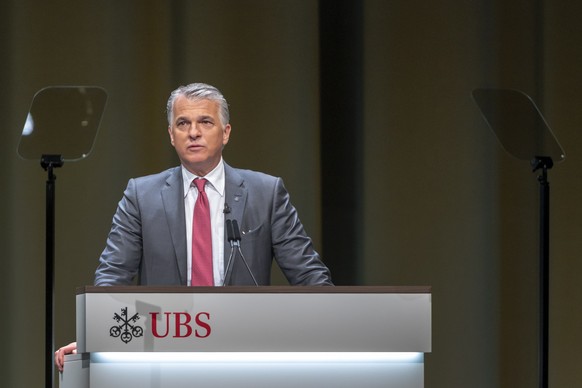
pixel 148 235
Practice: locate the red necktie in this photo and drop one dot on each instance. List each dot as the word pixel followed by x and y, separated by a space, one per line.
pixel 202 274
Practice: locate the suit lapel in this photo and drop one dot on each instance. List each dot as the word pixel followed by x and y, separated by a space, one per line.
pixel 173 201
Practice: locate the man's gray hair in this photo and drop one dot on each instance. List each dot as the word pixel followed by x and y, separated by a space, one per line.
pixel 199 91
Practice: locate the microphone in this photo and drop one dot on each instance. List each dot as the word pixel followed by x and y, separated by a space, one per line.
pixel 237 238
pixel 226 209
pixel 230 232
pixel 231 240
pixel 236 231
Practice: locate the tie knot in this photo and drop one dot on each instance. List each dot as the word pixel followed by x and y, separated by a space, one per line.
pixel 200 182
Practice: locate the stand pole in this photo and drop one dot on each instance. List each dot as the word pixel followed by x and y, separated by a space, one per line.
pixel 544 163
pixel 48 162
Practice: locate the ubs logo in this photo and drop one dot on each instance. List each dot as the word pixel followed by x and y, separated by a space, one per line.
pixel 126 329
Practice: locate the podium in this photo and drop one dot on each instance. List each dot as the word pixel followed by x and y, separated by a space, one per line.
pixel 250 337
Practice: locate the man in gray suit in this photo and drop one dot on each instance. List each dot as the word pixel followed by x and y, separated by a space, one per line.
pixel 151 233
pixel 150 239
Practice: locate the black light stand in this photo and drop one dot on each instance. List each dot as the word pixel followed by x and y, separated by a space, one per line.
pixel 61 125
pixel 523 132
pixel 544 163
pixel 48 163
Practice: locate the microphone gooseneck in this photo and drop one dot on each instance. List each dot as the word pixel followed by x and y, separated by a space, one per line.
pixel 237 238
pixel 234 237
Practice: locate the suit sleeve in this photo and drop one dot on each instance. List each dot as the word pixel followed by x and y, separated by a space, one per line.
pixel 292 248
pixel 121 258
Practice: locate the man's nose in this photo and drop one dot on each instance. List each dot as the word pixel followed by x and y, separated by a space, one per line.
pixel 194 131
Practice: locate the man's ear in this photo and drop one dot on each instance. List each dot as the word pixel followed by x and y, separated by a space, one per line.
pixel 226 134
pixel 171 135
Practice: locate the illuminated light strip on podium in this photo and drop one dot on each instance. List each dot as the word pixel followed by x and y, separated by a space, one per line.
pixel 263 357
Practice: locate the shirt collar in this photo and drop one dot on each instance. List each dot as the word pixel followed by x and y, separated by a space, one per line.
pixel 214 178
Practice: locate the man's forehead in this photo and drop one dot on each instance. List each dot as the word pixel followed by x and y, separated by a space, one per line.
pixel 195 108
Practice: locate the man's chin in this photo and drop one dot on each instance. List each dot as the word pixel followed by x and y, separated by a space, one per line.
pixel 199 167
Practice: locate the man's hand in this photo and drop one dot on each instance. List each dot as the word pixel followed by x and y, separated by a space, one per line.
pixel 61 352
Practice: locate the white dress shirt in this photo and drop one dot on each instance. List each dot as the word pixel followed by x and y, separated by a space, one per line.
pixel 215 191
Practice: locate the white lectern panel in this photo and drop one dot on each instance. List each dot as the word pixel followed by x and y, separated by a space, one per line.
pixel 254 321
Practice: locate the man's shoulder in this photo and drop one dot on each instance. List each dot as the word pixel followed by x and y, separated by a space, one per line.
pixel 251 176
pixel 170 178
pixel 158 177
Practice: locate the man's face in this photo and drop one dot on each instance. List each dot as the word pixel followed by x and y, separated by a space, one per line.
pixel 197 134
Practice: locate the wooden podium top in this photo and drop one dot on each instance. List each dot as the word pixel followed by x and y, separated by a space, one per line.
pixel 257 290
